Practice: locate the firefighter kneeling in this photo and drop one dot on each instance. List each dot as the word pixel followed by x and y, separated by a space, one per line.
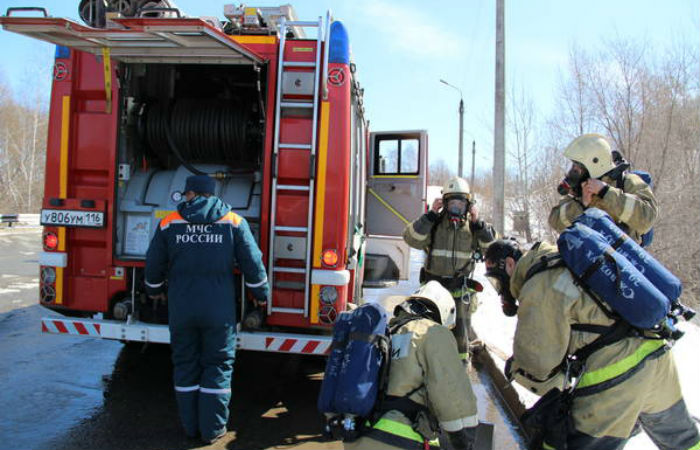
pixel 607 391
pixel 453 245
pixel 426 380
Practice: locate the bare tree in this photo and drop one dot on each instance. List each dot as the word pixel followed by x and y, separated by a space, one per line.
pixel 439 172
pixel 23 128
pixel 521 123
pixel 649 107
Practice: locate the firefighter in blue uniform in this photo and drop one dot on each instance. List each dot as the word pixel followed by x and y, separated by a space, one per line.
pixel 196 249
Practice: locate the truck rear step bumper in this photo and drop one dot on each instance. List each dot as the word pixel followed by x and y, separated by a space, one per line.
pixel 145 332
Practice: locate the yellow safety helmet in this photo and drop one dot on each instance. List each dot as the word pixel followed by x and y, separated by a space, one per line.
pixel 455 186
pixel 593 152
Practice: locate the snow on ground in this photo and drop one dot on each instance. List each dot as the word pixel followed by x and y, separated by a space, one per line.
pixel 496 331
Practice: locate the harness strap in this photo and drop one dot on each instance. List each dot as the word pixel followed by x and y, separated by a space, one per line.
pixel 386 364
pixel 404 404
pixel 610 335
pixel 546 262
pixel 590 328
pixel 553 261
pixel 377 339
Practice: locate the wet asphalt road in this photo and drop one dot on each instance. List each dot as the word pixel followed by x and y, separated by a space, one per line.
pixel 49 383
pixel 62 392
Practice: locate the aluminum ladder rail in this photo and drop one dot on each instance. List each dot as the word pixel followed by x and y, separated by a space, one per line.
pixel 279 106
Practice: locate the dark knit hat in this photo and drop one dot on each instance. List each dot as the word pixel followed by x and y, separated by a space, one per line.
pixel 202 184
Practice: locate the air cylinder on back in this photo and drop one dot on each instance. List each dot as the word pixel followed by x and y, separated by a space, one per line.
pixel 616 280
pixel 652 269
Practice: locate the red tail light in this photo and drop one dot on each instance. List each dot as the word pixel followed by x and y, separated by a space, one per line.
pixel 329 258
pixel 50 241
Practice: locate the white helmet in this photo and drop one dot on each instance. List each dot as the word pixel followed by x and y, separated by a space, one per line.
pixel 434 292
pixel 593 152
pixel 456 185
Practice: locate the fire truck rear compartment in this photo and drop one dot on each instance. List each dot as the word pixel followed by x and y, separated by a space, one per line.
pixel 177 120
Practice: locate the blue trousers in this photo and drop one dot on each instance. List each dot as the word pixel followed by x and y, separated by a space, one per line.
pixel 203 365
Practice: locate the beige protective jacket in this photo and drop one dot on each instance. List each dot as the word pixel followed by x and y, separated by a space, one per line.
pixel 450 247
pixel 621 380
pixel 634 206
pixel 425 354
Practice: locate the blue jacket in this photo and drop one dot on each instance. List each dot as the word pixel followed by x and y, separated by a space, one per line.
pixel 196 249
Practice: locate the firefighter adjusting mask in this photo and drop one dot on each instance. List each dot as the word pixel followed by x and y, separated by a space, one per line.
pixel 497 274
pixel 592 158
pixel 573 180
pixel 455 198
pixel 456 206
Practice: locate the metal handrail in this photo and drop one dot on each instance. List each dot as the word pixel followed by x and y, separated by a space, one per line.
pixel 275 155
pixel 324 78
pixel 153 9
pixel 26 8
pixel 312 175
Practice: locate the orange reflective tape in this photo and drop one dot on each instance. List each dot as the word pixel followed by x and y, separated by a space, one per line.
pixel 315 299
pixel 321 183
pixel 254 39
pixel 235 218
pixel 231 217
pixel 169 218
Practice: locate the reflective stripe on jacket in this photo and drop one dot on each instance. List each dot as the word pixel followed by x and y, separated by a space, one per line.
pixel 634 206
pixel 550 302
pixel 196 249
pixel 449 245
pixel 396 433
pixel 425 354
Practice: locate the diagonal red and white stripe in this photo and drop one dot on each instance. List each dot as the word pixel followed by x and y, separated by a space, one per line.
pixel 62 326
pixel 292 345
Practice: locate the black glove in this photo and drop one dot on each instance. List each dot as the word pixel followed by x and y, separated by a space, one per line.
pixel 462 439
pixel 509 306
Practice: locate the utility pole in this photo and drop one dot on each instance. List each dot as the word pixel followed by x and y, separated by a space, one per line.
pixel 461 126
pixel 461 135
pixel 499 153
pixel 471 180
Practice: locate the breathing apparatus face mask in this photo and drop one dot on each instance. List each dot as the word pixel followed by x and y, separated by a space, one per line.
pixel 500 280
pixel 457 207
pixel 573 180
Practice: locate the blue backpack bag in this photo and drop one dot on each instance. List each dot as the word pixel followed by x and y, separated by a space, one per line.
pixel 356 369
pixel 357 372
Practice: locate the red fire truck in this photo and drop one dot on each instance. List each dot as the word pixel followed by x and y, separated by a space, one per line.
pixel 274 115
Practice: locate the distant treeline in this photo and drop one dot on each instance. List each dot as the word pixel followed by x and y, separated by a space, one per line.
pixel 647 101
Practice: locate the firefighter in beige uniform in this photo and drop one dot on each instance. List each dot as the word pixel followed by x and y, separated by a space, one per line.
pixel 594 180
pixel 629 381
pixel 450 240
pixel 428 388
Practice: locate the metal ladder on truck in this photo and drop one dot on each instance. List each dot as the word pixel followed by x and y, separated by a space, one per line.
pixel 285 255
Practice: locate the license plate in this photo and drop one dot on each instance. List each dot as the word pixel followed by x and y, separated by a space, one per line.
pixel 69 218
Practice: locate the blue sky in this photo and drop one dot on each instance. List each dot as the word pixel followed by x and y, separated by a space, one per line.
pixel 402 49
